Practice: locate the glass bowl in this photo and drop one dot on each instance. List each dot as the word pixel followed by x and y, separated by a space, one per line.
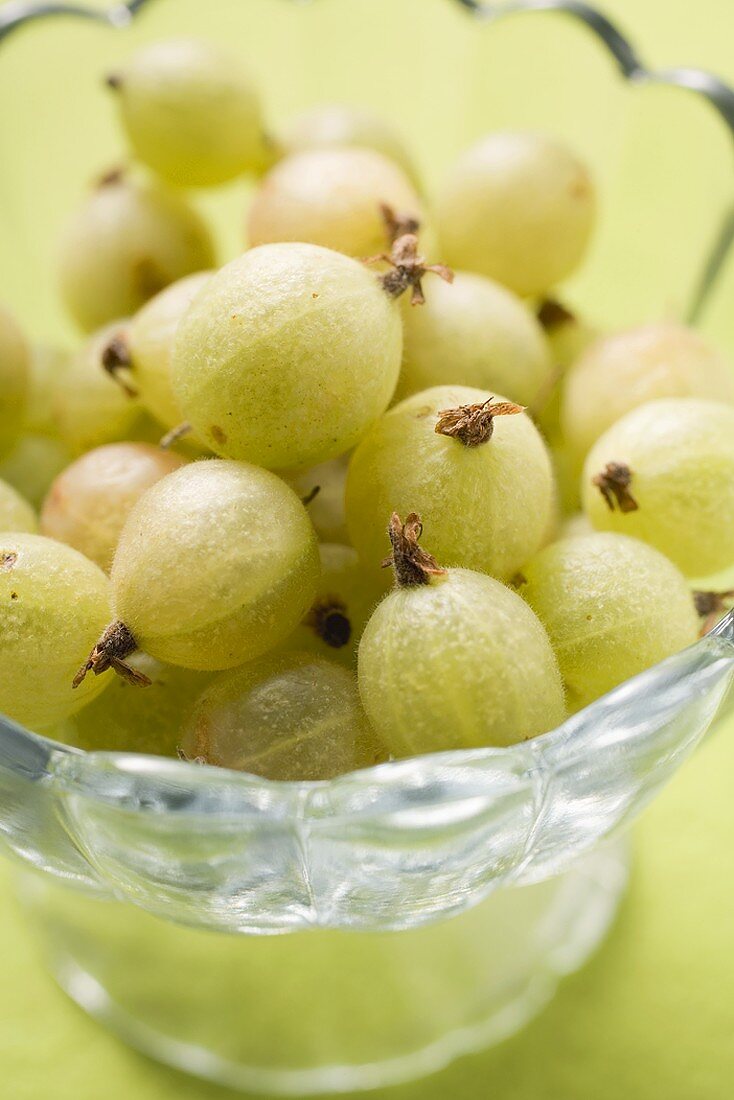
pixel 294 938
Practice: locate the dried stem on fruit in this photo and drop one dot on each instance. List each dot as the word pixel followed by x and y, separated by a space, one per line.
pixel 614 485
pixel 174 435
pixel 711 606
pixel 113 647
pixel 408 269
pixel 113 175
pixel 473 425
pixel 397 225
pixel 412 564
pixel 116 361
pixel 310 496
pixel 329 620
pixel 552 314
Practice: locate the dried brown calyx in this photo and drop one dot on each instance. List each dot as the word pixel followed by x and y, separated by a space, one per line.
pixel 116 360
pixel 408 268
pixel 397 225
pixel 552 314
pixel 113 647
pixel 8 558
pixel 412 564
pixel 711 606
pixel 114 81
pixel 329 620
pixel 183 755
pixel 111 176
pixel 614 485
pixel 473 425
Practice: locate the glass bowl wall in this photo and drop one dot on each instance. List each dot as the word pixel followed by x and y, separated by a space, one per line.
pixel 464 883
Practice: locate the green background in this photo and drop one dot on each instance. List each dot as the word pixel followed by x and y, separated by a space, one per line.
pixel 653 1015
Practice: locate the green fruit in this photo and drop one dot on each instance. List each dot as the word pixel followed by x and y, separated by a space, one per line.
pixel 287 355
pixel 54 604
pixel 454 660
pixel 127 242
pixel 664 473
pixel 486 501
pixel 519 208
pixel 612 607
pixel 626 369
pixel 190 111
pixel 473 332
pixel 289 716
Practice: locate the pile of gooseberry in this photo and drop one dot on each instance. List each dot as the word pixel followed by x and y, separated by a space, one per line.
pixel 367 490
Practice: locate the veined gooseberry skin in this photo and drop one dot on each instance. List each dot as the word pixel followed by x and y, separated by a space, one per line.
pixel 331 197
pixel 290 716
pixel 16 514
pixel 216 564
pixel 485 507
pixel 327 508
pixel 90 407
pixel 54 604
pixel 14 380
pixel 474 332
pixel 345 598
pixel 287 356
pixel 127 718
pixel 128 241
pixel 47 366
pixel 150 337
pixel 190 112
pixel 90 500
pixel 33 464
pixel 612 607
pixel 519 208
pixel 621 371
pixel 340 124
pixel 680 455
pixel 458 663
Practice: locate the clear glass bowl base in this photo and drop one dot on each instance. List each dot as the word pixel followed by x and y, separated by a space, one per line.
pixel 325 1010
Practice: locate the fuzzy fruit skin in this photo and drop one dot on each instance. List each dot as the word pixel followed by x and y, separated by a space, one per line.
pixel 287 356
pixel 16 514
pixel 456 664
pixel 55 603
pixel 612 607
pixel 473 332
pixel 150 338
pixel 290 716
pixel 346 589
pixel 216 564
pixel 190 111
pixel 486 508
pixel 90 500
pixel 127 718
pixel 14 381
pixel 519 208
pixel 326 510
pixel 681 454
pixel 331 197
pixel 89 406
pixel 126 242
pixel 342 124
pixel 617 373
